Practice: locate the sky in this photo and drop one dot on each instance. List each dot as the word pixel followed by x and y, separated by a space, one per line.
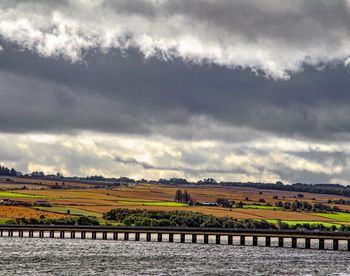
pixel 236 90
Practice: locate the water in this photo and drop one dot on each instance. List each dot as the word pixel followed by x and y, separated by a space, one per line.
pixel 90 257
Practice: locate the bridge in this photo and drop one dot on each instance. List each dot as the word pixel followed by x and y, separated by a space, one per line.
pixel 256 237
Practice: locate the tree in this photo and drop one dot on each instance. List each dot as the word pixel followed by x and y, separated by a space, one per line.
pixel 186 198
pixel 178 196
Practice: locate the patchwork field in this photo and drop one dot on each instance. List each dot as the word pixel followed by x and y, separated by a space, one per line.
pixel 85 199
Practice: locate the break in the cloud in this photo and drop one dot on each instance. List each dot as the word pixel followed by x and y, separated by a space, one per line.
pixel 273 36
pixel 236 90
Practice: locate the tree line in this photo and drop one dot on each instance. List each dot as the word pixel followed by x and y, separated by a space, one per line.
pixel 140 217
pixel 7 172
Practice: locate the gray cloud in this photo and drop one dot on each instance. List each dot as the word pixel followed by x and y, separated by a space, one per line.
pixel 126 94
pixel 238 34
pixel 216 88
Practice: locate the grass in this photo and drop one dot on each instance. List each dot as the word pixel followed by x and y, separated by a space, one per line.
pixel 10 194
pixel 4 220
pixel 261 207
pixel 294 222
pixel 155 203
pixel 337 216
pixel 73 211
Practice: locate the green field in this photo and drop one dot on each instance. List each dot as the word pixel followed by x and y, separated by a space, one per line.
pixel 294 222
pixel 10 194
pixel 345 217
pixel 4 220
pixel 261 207
pixel 155 203
pixel 73 211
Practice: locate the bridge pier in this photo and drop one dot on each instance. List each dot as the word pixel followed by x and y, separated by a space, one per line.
pixel 41 233
pixel 20 233
pixel 280 242
pixel 10 234
pixel 83 235
pixel 104 235
pixel 148 237
pixel 137 236
pixel 307 243
pixel 242 240
pixel 171 237
pixel 267 241
pixel 206 238
pixel 160 237
pixel 115 236
pixel 52 234
pixel 62 234
pixel 182 238
pixel 126 236
pixel 348 245
pixel 320 243
pixel 230 239
pixel 31 233
pixel 194 238
pixel 72 234
pixel 93 235
pixel 218 239
pixel 255 241
pixel 335 244
pixel 294 242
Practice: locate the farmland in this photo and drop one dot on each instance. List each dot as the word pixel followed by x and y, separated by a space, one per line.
pixel 76 199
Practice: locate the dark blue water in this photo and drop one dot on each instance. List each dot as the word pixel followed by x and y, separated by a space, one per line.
pixel 90 257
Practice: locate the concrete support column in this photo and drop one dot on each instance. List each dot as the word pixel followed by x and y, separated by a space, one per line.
pixel 72 234
pixel 62 234
pixel 255 241
pixel 160 237
pixel 307 243
pixel 115 236
pixel 94 235
pixel 104 235
pixel 230 239
pixel 280 241
pixel 335 244
pixel 206 238
pixel 182 238
pixel 242 240
pixel 83 235
pixel 148 237
pixel 171 237
pixel 194 238
pixel 267 241
pixel 137 236
pixel 294 242
pixel 321 244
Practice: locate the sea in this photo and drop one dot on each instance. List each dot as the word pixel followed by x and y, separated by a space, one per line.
pixel 35 256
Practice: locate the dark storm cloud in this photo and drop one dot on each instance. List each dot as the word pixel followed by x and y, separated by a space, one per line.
pixel 116 92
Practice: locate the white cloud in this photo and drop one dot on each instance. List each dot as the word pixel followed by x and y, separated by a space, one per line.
pixel 90 153
pixel 245 34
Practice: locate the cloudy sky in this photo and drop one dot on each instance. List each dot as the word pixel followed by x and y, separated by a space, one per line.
pixel 240 90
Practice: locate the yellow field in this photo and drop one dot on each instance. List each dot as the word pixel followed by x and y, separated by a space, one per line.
pixel 95 200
